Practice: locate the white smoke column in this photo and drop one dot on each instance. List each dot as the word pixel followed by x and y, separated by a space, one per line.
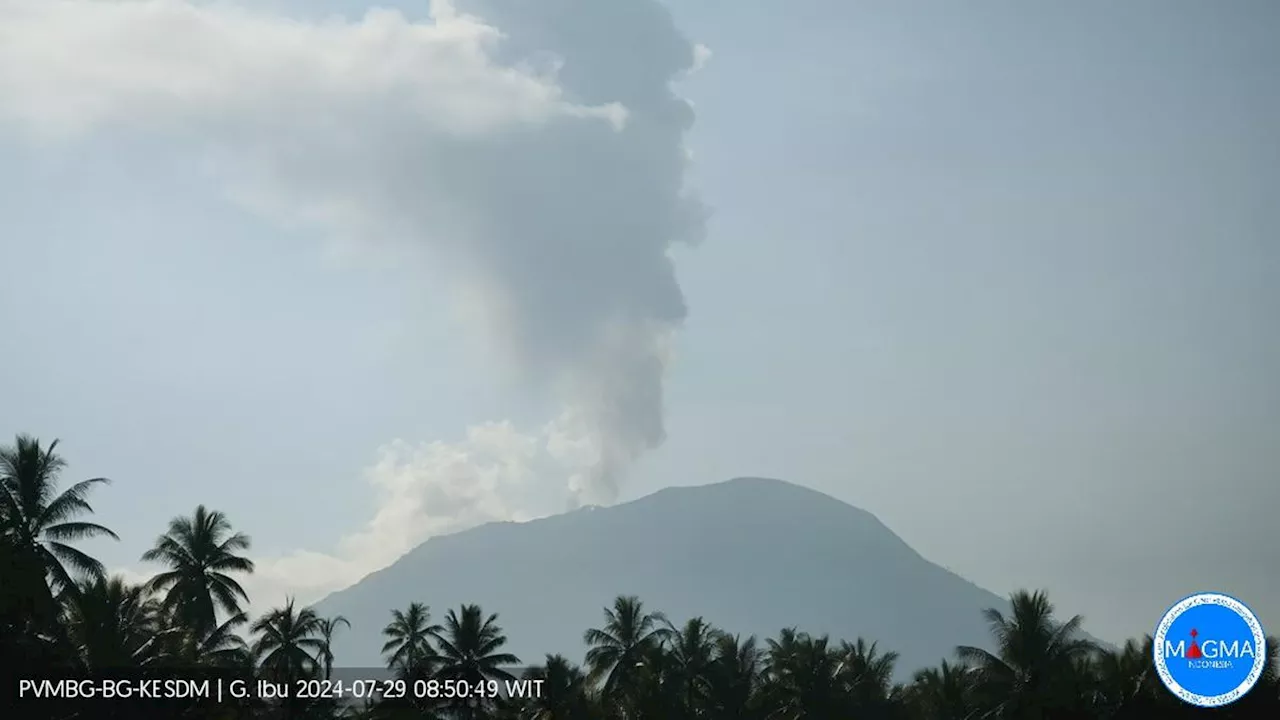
pixel 533 150
pixel 582 254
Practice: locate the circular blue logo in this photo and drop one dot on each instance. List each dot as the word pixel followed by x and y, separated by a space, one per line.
pixel 1209 649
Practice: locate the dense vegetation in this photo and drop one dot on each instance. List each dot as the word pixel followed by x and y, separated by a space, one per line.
pixel 60 611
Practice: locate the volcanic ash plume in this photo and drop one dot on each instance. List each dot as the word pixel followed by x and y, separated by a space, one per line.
pixel 581 253
pixel 534 151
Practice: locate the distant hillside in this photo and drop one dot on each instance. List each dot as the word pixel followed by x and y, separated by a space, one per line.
pixel 751 555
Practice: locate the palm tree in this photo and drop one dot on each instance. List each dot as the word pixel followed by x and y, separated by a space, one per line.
pixel 692 651
pixel 329 626
pixel 563 692
pixel 802 678
pixel 29 629
pixel 944 693
pixel 470 646
pixel 58 607
pixel 201 553
pixel 1033 673
pixel 618 649
pixel 734 677
pixel 780 651
pixel 656 688
pixel 408 648
pixel 287 646
pixel 867 676
pixel 113 624
pixel 1125 678
pixel 221 647
pixel 40 522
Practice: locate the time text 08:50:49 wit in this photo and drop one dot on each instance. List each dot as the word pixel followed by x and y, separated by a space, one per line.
pixel 422 689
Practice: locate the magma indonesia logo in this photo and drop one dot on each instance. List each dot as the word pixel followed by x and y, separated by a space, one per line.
pixel 1210 649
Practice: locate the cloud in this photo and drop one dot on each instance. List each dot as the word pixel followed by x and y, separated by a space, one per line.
pixel 701 56
pixel 532 159
pixel 434 488
pixel 69 66
pixel 425 489
pixel 529 155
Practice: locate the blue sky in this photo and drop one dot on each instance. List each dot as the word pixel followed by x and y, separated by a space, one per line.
pixel 1001 274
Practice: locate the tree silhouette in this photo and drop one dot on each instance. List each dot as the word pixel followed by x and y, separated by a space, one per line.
pixel 38 563
pixel 329 626
pixel 39 521
pixel 219 647
pixel 944 693
pixel 563 696
pixel 734 678
pixel 287 642
pixel 618 651
pixel 408 648
pixel 113 624
pixel 802 678
pixel 692 650
pixel 866 676
pixel 1034 672
pixel 470 651
pixel 58 610
pixel 200 552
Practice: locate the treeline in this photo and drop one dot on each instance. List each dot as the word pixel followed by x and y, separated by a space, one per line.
pixel 61 612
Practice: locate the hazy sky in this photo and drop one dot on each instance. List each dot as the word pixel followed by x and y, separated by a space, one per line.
pixel 1002 273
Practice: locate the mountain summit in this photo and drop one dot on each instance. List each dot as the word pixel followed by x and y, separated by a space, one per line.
pixel 751 555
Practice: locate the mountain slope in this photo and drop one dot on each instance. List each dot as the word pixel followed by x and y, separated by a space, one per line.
pixel 750 555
